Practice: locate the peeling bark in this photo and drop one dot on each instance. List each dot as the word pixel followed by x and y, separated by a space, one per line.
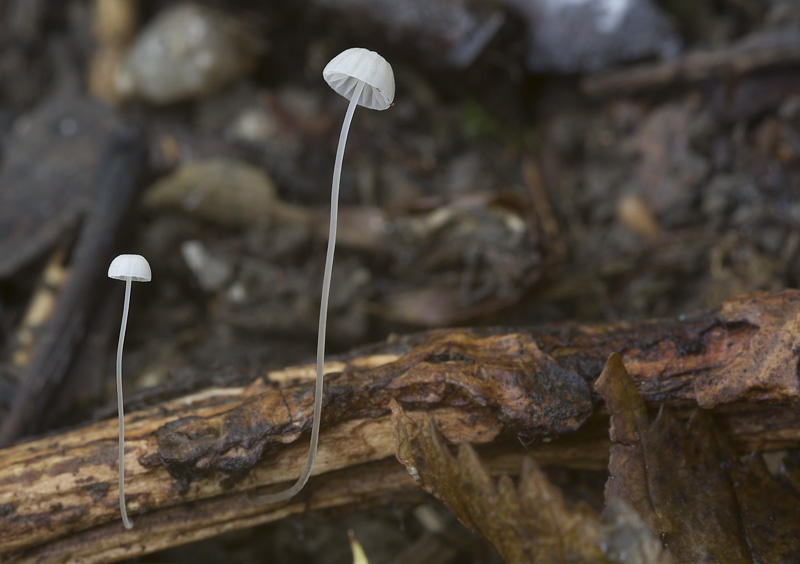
pixel 191 461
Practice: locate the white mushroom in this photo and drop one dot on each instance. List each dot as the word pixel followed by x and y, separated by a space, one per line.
pixel 356 69
pixel 130 268
pixel 366 79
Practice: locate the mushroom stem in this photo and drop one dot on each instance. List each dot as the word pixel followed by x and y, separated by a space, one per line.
pixel 323 311
pixel 130 268
pixel 121 416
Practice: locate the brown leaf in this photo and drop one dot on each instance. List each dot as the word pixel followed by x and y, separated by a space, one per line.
pixel 770 510
pixel 689 486
pixel 525 523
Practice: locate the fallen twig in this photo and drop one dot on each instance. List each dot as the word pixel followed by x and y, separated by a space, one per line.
pixel 192 460
pixel 751 54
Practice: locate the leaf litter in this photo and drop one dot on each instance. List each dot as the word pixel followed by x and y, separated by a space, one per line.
pixel 677 492
pixel 691 487
pixel 526 522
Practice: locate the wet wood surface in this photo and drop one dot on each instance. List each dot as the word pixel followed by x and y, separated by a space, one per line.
pixel 192 462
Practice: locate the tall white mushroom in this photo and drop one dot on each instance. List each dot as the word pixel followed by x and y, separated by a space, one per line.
pixel 130 268
pixel 366 79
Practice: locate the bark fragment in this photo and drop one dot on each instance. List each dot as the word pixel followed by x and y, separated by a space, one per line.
pixel 526 523
pixel 504 381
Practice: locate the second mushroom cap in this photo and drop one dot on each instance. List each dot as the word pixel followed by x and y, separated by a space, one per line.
pixel 134 267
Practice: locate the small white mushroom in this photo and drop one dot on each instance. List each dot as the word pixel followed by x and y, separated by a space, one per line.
pixel 130 268
pixel 366 79
pixel 361 70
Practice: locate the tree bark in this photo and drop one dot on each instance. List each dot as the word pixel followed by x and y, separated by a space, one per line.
pixel 192 462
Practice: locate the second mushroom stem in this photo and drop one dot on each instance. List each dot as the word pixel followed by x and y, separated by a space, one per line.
pixel 123 510
pixel 323 311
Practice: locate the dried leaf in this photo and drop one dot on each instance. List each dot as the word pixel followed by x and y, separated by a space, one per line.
pixel 687 483
pixel 525 523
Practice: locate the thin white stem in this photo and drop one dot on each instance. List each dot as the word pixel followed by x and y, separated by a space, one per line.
pixel 122 509
pixel 323 311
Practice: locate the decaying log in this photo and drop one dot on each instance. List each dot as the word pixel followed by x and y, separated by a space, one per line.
pixel 191 462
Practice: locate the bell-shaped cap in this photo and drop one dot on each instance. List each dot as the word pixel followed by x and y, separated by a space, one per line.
pixel 134 267
pixel 355 65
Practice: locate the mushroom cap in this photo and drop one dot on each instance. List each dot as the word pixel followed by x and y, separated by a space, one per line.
pixel 134 267
pixel 355 65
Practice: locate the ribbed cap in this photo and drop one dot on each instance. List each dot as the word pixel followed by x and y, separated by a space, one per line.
pixel 355 65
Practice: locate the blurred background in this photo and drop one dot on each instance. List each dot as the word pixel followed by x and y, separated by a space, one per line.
pixel 545 161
